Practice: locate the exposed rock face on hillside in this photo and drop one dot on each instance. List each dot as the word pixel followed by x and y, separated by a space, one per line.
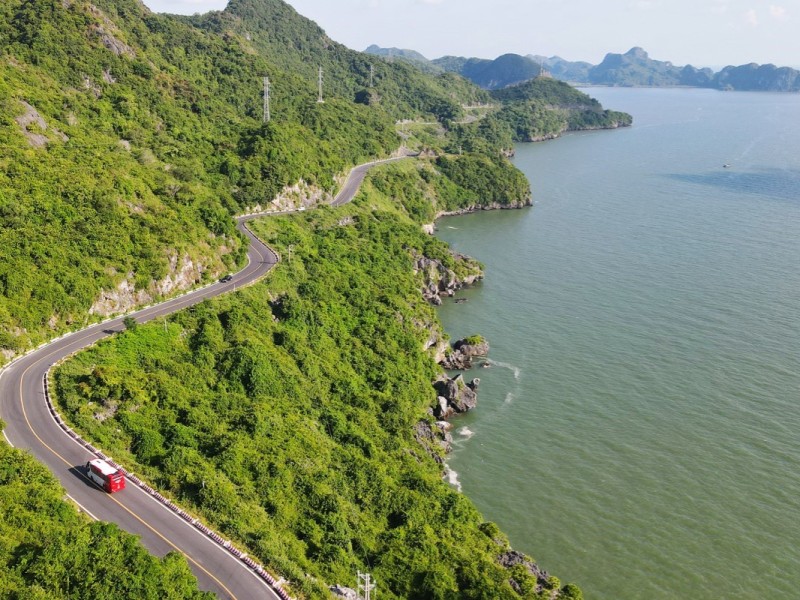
pixel 299 196
pixel 109 34
pixel 439 280
pixel 512 558
pixel 435 342
pixel 433 437
pixel 34 126
pixel 126 296
pixel 340 591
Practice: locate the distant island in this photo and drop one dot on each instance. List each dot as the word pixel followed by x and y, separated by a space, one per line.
pixel 635 68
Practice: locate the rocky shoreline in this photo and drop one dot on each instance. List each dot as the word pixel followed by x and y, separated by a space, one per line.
pixel 460 356
pixel 440 280
pixel 517 204
pixel 554 136
pixel 456 396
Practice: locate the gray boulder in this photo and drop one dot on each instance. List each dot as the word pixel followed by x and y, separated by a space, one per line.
pixel 458 395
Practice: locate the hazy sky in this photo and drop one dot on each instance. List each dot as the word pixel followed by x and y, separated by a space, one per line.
pixel 700 32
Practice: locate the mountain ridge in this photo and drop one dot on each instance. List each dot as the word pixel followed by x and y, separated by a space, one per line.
pixel 630 69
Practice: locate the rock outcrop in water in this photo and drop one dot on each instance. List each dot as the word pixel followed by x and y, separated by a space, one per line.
pixel 455 396
pixel 439 279
pixel 459 358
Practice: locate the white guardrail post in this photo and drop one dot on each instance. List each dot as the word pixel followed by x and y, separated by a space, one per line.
pixel 254 566
pixel 227 545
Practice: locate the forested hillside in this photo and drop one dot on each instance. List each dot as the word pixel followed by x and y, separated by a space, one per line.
pixel 131 138
pixel 536 110
pixel 633 68
pixel 544 108
pixel 296 45
pixel 297 402
pixel 505 70
pixel 49 551
pixel 410 56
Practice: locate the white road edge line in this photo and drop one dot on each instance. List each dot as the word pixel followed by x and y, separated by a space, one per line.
pixel 161 505
pixel 219 547
pixel 82 507
pixel 165 508
pixel 141 312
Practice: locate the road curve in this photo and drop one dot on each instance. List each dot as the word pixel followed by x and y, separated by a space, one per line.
pixel 30 425
pixel 356 177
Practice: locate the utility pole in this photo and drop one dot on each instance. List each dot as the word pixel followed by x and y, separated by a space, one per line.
pixel 320 100
pixel 371 75
pixel 366 585
pixel 266 100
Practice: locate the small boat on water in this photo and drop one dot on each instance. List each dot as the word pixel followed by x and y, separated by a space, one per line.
pixel 726 166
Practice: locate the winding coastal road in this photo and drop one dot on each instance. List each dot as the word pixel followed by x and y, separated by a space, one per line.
pixel 30 425
pixel 357 174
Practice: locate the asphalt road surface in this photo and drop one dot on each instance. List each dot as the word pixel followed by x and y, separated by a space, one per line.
pixel 356 177
pixel 30 425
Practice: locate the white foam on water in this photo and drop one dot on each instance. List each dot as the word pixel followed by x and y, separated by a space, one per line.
pixel 509 398
pixel 516 370
pixel 466 432
pixel 451 477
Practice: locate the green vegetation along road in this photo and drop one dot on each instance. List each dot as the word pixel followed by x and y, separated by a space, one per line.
pixel 30 425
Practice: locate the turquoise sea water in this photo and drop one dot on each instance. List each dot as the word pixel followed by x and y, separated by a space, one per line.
pixel 639 433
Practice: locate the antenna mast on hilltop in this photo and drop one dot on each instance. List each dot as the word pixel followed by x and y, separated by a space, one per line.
pixel 319 99
pixel 266 100
pixel 365 584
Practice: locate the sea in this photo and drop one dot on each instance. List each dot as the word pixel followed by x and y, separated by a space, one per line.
pixel 638 428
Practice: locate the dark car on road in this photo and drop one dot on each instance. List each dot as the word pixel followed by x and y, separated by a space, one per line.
pixel 226 279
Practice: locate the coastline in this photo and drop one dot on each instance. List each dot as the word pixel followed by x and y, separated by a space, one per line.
pixel 354 236
pixel 618 360
pixel 461 398
pixel 430 228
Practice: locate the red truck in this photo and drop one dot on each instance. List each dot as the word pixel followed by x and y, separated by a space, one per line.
pixel 103 474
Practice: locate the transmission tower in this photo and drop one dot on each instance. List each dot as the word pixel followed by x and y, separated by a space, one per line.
pixel 371 75
pixel 266 100
pixel 365 585
pixel 319 99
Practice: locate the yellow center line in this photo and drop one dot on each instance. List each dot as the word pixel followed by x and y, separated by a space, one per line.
pixel 263 255
pixel 175 304
pixel 133 514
